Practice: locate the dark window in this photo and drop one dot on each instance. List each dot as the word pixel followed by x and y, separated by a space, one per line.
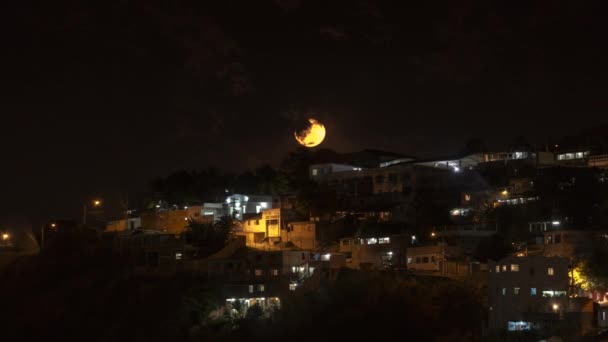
pixel 532 271
pixel 153 259
pixel 258 257
pixel 425 260
pixel 380 179
pixel 392 178
pixel 558 238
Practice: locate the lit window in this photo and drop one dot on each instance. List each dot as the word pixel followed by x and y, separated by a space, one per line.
pixel 384 240
pixel 603 315
pixel 497 268
pixel 275 272
pixel 325 257
pixel 533 291
pixel 514 267
pixel 516 290
pixel 550 271
pixel 178 256
pixel 504 268
pixel 292 287
pixel 250 288
pixel 504 291
pixel 258 272
pixel 372 241
pixel 261 287
pixel 467 197
pixel 315 172
pixel 579 155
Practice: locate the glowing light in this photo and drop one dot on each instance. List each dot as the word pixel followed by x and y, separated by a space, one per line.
pixel 555 223
pixel 5 236
pixel 505 192
pixel 555 307
pixel 433 234
pixel 53 225
pixel 313 135
pixel 96 203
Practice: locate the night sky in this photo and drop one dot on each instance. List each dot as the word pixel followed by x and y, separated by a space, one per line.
pixel 99 99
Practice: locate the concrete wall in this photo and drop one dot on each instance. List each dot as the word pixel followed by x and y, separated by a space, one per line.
pixel 301 234
pixel 532 273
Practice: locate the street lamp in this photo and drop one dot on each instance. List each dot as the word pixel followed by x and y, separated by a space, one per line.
pixel 5 236
pixel 95 203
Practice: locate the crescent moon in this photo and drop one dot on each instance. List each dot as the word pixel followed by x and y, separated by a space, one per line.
pixel 313 135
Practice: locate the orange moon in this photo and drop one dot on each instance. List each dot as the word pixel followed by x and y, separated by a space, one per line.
pixel 312 135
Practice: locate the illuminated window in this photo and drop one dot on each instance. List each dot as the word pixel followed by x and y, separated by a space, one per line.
pixel 250 288
pixel 315 172
pixel 516 290
pixel 603 315
pixel 275 272
pixel 261 287
pixel 497 268
pixel 550 271
pixel 258 272
pixel 384 240
pixel 372 241
pixel 292 287
pixel 533 291
pixel 504 291
pixel 514 267
pixel 504 268
pixel 178 256
pixel 325 257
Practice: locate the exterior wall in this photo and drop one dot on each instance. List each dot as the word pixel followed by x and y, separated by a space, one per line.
pixel 602 315
pixel 131 223
pixel 172 222
pixel 215 210
pixel 301 234
pixel 237 205
pixel 266 225
pixel 567 243
pixel 600 161
pixel 370 253
pixel 429 258
pixel 515 293
pixel 320 170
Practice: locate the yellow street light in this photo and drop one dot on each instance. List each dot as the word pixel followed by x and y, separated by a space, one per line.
pixel 433 234
pixel 95 203
pixel 555 307
pixel 53 225
pixel 505 192
pixel 5 236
